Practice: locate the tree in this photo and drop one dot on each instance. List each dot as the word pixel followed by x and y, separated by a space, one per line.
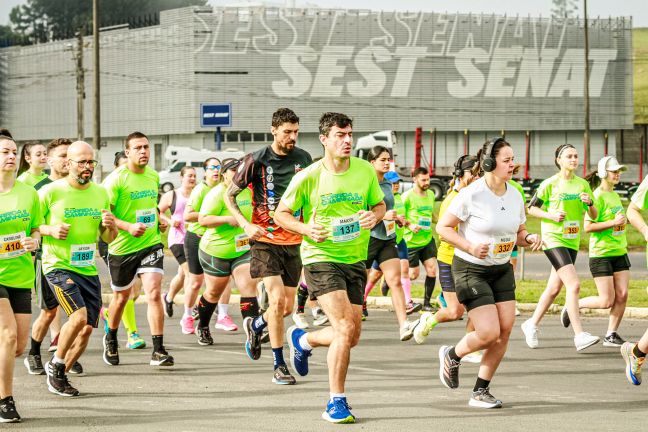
pixel 564 8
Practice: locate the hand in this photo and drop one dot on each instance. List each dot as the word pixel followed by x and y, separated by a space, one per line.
pixel 137 229
pixel 255 232
pixel 176 223
pixel 619 219
pixel 479 250
pixel 107 219
pixel 367 219
pixel 557 216
pixel 316 232
pixel 60 231
pixel 30 244
pixel 400 221
pixel 535 241
pixel 163 224
pixel 390 215
pixel 415 228
pixel 586 198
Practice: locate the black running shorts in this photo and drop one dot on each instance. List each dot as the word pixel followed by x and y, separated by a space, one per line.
pixel 478 285
pixel 561 256
pixel 221 267
pixel 75 291
pixel 421 254
pixel 124 268
pixel 381 251
pixel 325 277
pixel 607 266
pixel 19 299
pixel 191 243
pixel 269 259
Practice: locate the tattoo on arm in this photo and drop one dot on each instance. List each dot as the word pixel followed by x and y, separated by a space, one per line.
pixel 230 201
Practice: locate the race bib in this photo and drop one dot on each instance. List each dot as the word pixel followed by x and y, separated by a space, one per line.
pixel 10 246
pixel 345 228
pixel 390 227
pixel 147 217
pixel 502 247
pixel 571 229
pixel 82 255
pixel 425 223
pixel 242 242
pixel 618 230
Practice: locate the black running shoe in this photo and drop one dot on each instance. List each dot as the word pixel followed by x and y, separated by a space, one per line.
pixel 161 358
pixel 76 368
pixel 111 351
pixel 265 337
pixel 8 413
pixel 168 306
pixel 613 340
pixel 384 289
pixel 253 341
pixel 428 308
pixel 34 365
pixel 448 369
pixel 564 317
pixel 412 307
pixel 204 336
pixel 57 381
pixel 282 376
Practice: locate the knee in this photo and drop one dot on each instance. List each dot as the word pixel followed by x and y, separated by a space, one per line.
pixel 278 304
pixel 489 337
pixel 607 302
pixel 574 287
pixel 414 273
pixel 621 297
pixel 455 312
pixel 346 332
pixel 86 331
pixel 8 338
pixel 78 320
pixel 121 298
pixel 153 294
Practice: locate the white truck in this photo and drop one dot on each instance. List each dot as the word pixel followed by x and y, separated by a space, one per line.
pixel 178 157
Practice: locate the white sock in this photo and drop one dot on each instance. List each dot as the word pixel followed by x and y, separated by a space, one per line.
pixel 303 342
pixel 222 310
pixel 187 311
pixel 56 360
pixel 166 297
pixel 609 333
pixel 334 395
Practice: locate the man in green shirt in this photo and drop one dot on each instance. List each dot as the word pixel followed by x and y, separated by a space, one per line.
pixel 341 201
pixel 137 250
pixel 76 213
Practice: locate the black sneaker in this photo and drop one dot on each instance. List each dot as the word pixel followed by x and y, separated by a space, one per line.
pixel 282 376
pixel 161 358
pixel 265 337
pixel 204 336
pixel 57 381
pixel 564 317
pixel 76 368
pixel 34 364
pixel 384 289
pixel 482 398
pixel 253 340
pixel 195 313
pixel 428 308
pixel 613 340
pixel 168 306
pixel 412 307
pixel 8 413
pixel 448 368
pixel 365 312
pixel 111 351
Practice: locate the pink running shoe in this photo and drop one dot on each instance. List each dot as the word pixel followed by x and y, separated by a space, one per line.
pixel 225 323
pixel 187 325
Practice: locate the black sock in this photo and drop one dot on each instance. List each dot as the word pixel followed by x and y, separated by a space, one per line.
pixel 158 343
pixel 205 311
pixel 453 355
pixel 302 297
pixel 429 288
pixel 637 352
pixel 481 384
pixel 35 347
pixel 249 307
pixel 277 357
pixel 112 334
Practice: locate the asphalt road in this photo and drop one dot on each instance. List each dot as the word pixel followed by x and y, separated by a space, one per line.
pixel 392 386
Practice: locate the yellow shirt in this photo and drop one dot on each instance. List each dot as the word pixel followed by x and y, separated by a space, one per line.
pixel 446 250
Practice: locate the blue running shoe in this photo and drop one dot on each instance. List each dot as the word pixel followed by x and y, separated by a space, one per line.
pixel 298 355
pixel 338 411
pixel 104 315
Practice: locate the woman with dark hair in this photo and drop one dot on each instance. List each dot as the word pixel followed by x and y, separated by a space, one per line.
pixel 490 217
pixel 33 160
pixel 561 201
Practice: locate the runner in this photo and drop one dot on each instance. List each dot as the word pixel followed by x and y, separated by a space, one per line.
pixel 76 212
pixel 274 251
pixel 49 314
pixel 341 201
pixel 608 251
pixel 33 160
pixel 490 215
pixel 137 250
pixel 20 217
pixel 194 232
pixel 175 201
pixel 421 247
pixel 224 252
pixel 561 201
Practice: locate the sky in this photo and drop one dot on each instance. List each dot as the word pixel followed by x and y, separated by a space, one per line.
pixel 604 8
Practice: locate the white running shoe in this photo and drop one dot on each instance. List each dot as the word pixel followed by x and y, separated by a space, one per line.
pixel 585 340
pixel 300 320
pixel 517 311
pixel 407 330
pixel 320 318
pixel 530 333
pixel 473 357
pixel 422 329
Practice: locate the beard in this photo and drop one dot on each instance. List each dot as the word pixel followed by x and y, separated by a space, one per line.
pixel 288 147
pixel 82 180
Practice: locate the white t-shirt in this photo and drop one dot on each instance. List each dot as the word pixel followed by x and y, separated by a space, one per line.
pixel 488 218
pixel 639 197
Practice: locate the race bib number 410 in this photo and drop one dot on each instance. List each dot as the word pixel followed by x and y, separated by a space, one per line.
pixel 10 245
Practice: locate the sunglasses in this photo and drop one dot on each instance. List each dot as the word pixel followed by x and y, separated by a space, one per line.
pixel 213 167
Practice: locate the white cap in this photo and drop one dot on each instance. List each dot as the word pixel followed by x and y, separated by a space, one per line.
pixel 609 163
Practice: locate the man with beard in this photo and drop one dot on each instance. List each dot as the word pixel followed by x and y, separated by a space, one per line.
pixel 274 251
pixel 137 250
pixel 419 212
pixel 76 211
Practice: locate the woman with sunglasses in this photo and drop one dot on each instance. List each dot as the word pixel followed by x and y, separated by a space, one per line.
pixel 33 160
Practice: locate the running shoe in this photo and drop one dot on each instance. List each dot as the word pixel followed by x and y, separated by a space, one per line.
pixel 338 411
pixel 204 336
pixel 187 325
pixel 53 345
pixel 564 317
pixel 195 314
pixel 265 337
pixel 320 318
pixel 111 351
pixel 76 368
pixel 365 312
pixel 57 381
pixel 34 364
pixel 633 363
pixel 423 327
pixel 412 307
pixel 530 333
pixel 226 324
pixel 448 368
pixel 584 340
pixel 161 358
pixel 252 342
pixel 473 357
pixel 407 330
pixel 300 320
pixel 135 341
pixel 262 297
pixel 517 311
pixel 613 340
pixel 282 376
pixel 8 413
pixel 104 316
pixel 427 308
pixel 298 355
pixel 441 300
pixel 482 398
pixel 168 306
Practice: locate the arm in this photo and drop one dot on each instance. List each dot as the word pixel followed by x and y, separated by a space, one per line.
pixel 369 219
pixel 31 243
pixel 539 213
pixel 211 221
pixel 526 239
pixel 108 227
pixel 590 226
pixel 164 206
pixel 253 231
pixel 136 229
pixel 637 221
pixel 190 215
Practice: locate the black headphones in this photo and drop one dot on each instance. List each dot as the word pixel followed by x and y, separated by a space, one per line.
pixel 488 162
pixel 458 172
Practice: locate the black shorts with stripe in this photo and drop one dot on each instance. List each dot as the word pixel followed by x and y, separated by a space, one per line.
pixel 75 291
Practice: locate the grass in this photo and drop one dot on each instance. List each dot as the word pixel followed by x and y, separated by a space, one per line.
pixel 640 74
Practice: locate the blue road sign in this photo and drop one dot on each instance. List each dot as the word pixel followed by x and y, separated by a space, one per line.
pixel 215 115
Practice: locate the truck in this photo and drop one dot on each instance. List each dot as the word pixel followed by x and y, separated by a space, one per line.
pixel 179 157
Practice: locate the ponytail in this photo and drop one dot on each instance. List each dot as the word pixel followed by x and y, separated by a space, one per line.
pixel 593 179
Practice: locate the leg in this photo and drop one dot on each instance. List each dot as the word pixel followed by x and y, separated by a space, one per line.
pixel 8 344
pixel 116 307
pixel 39 328
pixel 152 282
pixel 192 290
pixel 22 332
pixel 391 270
pixel 621 282
pixel 495 352
pixel 453 311
pixel 78 347
pixel 487 330
pixel 275 313
pixel 69 332
pixel 554 284
pixel 406 282
pixel 572 286
pixel 605 297
pixel 177 283
pixel 55 325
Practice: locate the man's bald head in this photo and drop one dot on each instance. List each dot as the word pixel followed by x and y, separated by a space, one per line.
pixel 82 164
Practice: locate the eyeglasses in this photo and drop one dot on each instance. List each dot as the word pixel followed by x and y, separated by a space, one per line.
pixel 85 163
pixel 213 167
